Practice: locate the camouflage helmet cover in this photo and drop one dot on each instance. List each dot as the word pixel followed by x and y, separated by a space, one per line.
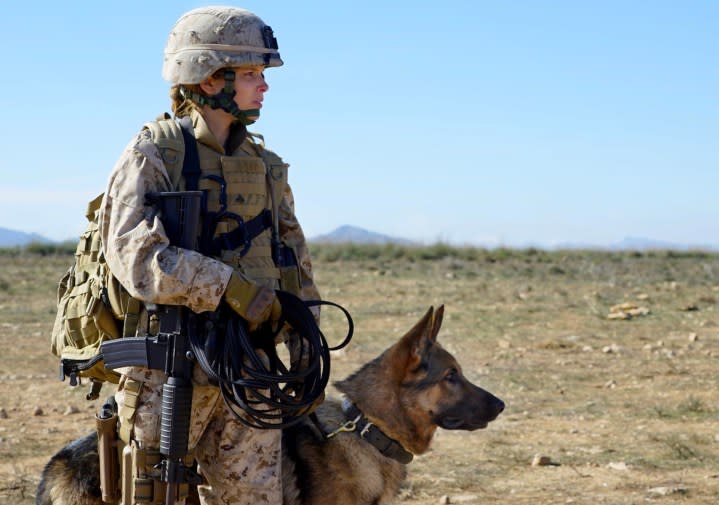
pixel 207 39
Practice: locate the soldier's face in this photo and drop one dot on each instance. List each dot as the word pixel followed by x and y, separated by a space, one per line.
pixel 250 87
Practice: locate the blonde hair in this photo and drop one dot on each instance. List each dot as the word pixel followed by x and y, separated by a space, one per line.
pixel 182 106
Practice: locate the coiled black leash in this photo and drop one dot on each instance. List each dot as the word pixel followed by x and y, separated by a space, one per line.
pixel 257 387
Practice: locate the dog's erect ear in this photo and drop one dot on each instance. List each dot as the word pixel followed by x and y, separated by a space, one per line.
pixel 436 323
pixel 421 327
pixel 421 336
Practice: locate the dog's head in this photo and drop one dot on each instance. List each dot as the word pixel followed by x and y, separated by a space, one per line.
pixel 416 386
pixel 434 384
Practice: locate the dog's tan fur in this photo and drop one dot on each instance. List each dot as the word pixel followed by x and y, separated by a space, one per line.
pixel 409 391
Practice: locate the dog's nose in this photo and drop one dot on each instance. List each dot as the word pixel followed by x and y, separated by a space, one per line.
pixel 497 406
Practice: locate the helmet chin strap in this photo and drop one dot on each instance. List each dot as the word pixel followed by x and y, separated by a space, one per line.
pixel 224 100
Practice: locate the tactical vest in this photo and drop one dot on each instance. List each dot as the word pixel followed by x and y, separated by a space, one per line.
pixel 242 186
pixel 94 307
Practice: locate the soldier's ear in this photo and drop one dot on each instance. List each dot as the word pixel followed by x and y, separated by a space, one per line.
pixel 212 86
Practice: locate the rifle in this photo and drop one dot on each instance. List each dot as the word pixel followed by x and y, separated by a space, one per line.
pixel 170 349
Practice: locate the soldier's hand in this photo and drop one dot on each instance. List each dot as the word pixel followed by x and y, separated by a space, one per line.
pixel 256 304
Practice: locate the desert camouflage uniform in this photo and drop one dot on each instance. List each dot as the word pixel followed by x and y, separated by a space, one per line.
pixel 239 464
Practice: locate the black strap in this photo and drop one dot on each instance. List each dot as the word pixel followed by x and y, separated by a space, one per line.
pixel 191 162
pixel 350 322
pixel 243 235
pixel 246 231
pixel 376 437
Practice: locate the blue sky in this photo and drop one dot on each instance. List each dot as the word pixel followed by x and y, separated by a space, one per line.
pixel 472 122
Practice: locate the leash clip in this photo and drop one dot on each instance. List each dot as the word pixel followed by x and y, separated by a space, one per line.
pixel 349 426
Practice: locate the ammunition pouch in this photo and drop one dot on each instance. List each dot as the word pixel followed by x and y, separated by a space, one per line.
pixel 141 477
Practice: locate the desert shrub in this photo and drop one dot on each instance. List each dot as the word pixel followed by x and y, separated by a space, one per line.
pixel 10 251
pixel 41 249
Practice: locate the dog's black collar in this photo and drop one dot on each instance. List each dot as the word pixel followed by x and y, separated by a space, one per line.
pixel 358 422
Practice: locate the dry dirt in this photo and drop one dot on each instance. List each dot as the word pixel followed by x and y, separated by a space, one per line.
pixel 624 410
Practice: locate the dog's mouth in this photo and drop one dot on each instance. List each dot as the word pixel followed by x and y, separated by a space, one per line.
pixel 457 423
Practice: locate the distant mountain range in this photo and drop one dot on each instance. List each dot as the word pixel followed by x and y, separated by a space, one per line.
pixel 639 244
pixel 353 234
pixel 357 235
pixel 13 238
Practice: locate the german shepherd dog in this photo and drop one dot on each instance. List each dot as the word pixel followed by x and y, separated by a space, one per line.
pixel 352 452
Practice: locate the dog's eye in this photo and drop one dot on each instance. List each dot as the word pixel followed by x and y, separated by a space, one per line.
pixel 451 377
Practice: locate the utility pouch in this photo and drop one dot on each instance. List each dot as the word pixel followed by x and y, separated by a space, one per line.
pixel 289 269
pixel 124 307
pixel 146 484
pixel 84 321
pixel 87 318
pixel 144 480
pixel 106 425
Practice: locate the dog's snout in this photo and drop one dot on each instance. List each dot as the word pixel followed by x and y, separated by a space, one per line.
pixel 497 406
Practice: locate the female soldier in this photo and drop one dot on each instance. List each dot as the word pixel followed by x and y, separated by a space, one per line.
pixel 215 59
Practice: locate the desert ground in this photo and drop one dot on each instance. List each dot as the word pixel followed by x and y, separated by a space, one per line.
pixel 608 364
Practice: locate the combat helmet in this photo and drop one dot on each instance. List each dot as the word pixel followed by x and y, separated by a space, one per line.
pixel 208 39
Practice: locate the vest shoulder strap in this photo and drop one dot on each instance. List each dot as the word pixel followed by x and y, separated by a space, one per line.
pixel 167 136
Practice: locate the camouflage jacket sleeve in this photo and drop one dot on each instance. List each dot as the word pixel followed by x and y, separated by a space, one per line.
pixel 292 235
pixel 135 244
